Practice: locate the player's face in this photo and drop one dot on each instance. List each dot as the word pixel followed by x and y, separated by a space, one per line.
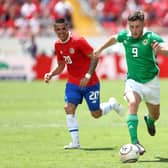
pixel 62 31
pixel 136 28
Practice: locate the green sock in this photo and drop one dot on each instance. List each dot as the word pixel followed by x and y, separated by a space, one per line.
pixel 150 120
pixel 132 122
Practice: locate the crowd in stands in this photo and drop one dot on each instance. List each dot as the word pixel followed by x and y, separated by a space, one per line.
pixel 114 13
pixel 25 17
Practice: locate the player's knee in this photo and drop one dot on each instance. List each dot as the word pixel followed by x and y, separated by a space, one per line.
pixel 69 109
pixel 96 114
pixel 132 103
pixel 66 108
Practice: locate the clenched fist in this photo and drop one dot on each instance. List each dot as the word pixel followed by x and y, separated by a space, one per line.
pixel 47 77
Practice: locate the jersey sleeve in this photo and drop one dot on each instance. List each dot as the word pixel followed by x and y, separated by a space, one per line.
pixel 121 36
pixel 156 37
pixel 84 46
pixel 58 55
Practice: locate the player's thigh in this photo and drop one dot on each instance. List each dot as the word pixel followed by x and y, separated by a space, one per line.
pixel 92 97
pixel 152 92
pixel 131 87
pixel 73 94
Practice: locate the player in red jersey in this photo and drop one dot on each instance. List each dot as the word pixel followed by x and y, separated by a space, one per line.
pixel 77 54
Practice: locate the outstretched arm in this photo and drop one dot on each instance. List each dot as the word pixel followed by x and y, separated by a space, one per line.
pixel 112 40
pixel 94 60
pixel 161 48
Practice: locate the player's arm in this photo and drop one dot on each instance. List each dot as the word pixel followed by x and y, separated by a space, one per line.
pixel 57 70
pixel 93 63
pixel 92 67
pixel 161 48
pixel 111 41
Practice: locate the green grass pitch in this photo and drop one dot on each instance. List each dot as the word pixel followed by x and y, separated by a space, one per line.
pixel 33 129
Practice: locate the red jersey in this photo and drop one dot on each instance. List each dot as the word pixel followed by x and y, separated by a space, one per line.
pixel 74 52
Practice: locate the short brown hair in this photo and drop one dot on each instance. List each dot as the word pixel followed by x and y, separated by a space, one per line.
pixel 137 15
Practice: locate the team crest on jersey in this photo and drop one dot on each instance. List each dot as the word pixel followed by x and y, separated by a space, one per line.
pixel 71 51
pixel 145 42
pixel 61 52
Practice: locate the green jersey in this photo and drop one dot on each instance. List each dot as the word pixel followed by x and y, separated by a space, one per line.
pixel 140 56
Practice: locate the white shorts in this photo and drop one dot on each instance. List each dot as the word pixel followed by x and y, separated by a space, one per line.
pixel 149 92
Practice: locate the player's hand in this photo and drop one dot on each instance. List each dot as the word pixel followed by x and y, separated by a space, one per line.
pixel 155 45
pixel 97 53
pixel 84 81
pixel 47 77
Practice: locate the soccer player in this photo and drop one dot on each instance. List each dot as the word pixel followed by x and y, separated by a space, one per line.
pixel 142 84
pixel 78 55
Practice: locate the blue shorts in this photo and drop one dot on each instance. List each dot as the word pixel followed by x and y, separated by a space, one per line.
pixel 75 94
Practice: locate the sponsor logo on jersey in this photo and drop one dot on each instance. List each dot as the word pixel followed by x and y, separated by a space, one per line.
pixel 71 51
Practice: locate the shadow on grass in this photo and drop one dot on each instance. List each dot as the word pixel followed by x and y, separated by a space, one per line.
pixel 157 159
pixel 98 149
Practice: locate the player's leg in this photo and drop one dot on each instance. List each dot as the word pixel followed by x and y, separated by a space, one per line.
pixel 154 111
pixel 72 99
pixel 133 97
pixel 151 117
pixel 112 104
pixel 133 100
pixel 92 96
pixel 152 99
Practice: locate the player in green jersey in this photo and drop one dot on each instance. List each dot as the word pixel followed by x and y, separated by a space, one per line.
pixel 142 84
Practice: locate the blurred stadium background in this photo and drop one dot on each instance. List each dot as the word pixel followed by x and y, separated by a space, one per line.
pixel 27 37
